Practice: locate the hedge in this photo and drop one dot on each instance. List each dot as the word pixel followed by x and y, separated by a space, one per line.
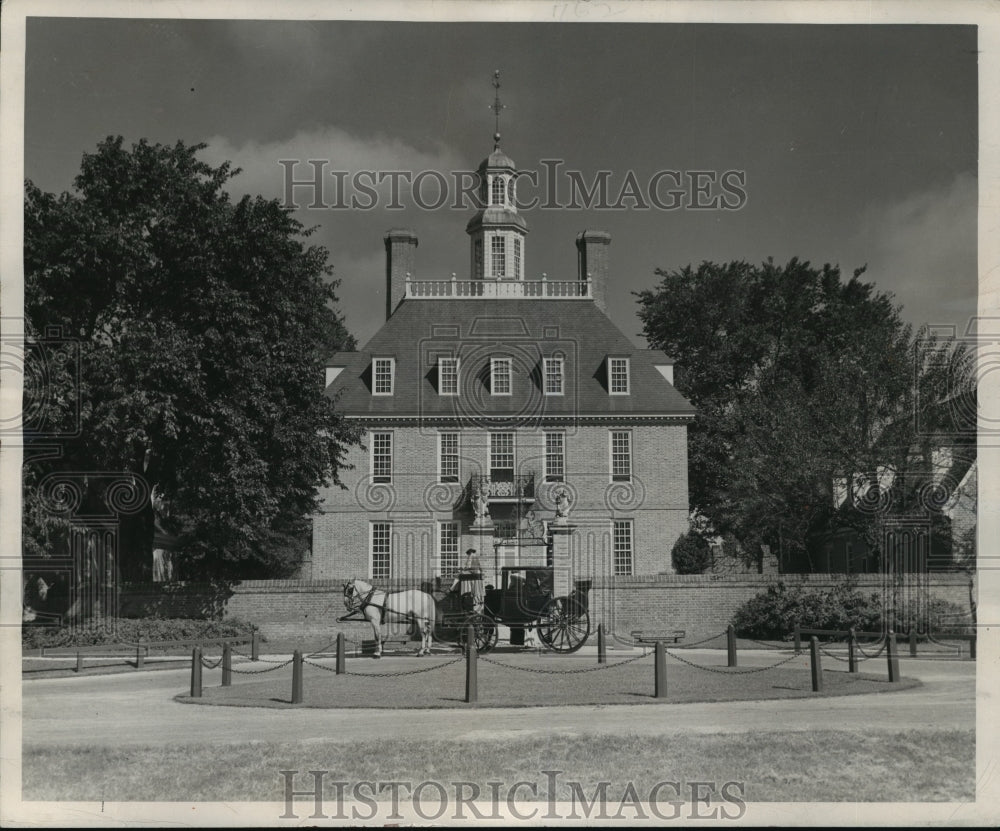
pixel 119 630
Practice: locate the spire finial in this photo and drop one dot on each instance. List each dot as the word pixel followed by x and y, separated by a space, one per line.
pixel 497 107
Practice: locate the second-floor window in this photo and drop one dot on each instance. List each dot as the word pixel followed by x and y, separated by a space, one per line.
pixel 621 531
pixel 498 251
pixel 621 456
pixel 383 370
pixel 500 383
pixel 381 550
pixel 449 457
pixel 448 547
pixel 502 457
pixel 618 376
pixel 555 457
pixel 553 376
pixel 381 457
pixel 448 376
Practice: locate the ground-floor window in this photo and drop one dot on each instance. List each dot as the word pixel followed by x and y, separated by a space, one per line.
pixel 381 547
pixel 448 547
pixel 622 546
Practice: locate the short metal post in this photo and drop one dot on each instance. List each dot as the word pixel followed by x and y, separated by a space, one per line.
pixel 660 670
pixel 602 649
pixel 138 654
pixel 341 654
pixel 892 657
pixel 471 669
pixel 972 647
pixel 196 672
pixel 798 639
pixel 852 644
pixel 731 644
pixel 297 677
pixel 79 660
pixel 816 666
pixel 255 645
pixel 227 664
pixel 913 641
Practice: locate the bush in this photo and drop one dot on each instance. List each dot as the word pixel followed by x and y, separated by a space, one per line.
pixel 773 613
pixel 119 630
pixel 691 554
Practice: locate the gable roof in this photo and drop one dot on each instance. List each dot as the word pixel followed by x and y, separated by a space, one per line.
pixel 526 330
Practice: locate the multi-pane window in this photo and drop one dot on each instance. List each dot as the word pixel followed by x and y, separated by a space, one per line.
pixel 382 370
pixel 498 250
pixel 381 550
pixel 553 376
pixel 496 195
pixel 622 546
pixel 500 376
pixel 555 457
pixel 449 457
pixel 517 258
pixel 502 456
pixel 618 376
pixel 448 376
pixel 448 547
pixel 478 256
pixel 621 456
pixel 381 457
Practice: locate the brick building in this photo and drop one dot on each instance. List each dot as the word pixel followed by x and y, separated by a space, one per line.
pixel 508 389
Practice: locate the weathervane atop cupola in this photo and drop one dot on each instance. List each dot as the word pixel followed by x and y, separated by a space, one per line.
pixel 497 107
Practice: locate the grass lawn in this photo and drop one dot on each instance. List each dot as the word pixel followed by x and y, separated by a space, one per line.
pixel 834 766
pixel 529 686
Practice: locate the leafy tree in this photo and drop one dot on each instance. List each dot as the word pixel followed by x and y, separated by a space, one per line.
pixel 799 377
pixel 203 326
pixel 691 554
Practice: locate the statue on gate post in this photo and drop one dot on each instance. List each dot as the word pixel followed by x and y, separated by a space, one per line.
pixel 480 504
pixel 562 507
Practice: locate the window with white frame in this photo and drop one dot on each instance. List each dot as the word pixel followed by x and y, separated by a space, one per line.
pixel 497 192
pixel 448 376
pixel 498 252
pixel 448 539
pixel 618 376
pixel 381 449
pixel 555 457
pixel 517 258
pixel 502 457
pixel 500 382
pixel 448 456
pixel 381 550
pixel 383 370
pixel 622 547
pixel 621 456
pixel 553 376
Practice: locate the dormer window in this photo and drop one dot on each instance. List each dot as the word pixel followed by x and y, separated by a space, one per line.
pixel 497 191
pixel 383 372
pixel 448 376
pixel 500 383
pixel 618 380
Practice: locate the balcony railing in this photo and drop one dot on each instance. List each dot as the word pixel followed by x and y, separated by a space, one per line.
pixel 510 487
pixel 506 289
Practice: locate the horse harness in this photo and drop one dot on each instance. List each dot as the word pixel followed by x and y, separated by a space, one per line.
pixel 366 601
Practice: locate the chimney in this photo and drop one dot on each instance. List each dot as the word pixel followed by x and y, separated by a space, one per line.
pixel 400 249
pixel 592 259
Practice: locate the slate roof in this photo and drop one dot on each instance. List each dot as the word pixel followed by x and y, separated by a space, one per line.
pixel 525 330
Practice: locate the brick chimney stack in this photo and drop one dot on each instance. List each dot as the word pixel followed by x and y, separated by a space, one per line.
pixel 400 257
pixel 592 259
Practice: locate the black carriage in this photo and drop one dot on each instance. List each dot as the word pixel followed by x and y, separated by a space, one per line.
pixel 525 600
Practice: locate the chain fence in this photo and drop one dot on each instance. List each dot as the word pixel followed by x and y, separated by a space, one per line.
pixel 394 674
pixel 699 643
pixel 209 665
pixel 581 670
pixel 262 671
pixel 732 670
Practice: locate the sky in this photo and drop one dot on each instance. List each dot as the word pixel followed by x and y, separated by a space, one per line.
pixel 858 143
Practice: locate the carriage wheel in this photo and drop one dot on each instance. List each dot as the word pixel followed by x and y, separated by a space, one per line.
pixel 563 625
pixel 484 631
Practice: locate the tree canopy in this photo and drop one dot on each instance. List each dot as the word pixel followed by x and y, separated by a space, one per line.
pixel 203 325
pixel 799 377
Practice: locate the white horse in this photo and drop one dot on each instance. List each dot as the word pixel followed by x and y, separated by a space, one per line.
pixel 378 606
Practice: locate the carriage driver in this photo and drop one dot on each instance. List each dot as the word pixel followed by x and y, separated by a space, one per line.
pixel 470 580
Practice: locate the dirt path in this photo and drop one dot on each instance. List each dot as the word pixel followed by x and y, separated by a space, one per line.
pixel 138 709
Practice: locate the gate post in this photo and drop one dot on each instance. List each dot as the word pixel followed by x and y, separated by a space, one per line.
pixel 196 672
pixel 297 677
pixel 731 644
pixel 660 670
pixel 471 669
pixel 913 641
pixel 815 665
pixel 892 657
pixel 227 664
pixel 341 654
pixel 852 660
pixel 602 653
pixel 798 639
pixel 255 645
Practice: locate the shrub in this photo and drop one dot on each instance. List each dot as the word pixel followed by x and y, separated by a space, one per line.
pixel 773 613
pixel 118 630
pixel 691 554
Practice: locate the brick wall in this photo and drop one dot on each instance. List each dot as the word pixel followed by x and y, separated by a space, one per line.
pixel 695 603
